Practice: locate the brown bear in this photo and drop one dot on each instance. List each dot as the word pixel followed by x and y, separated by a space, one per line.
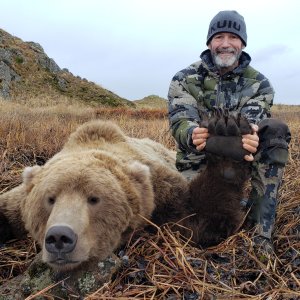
pixel 87 199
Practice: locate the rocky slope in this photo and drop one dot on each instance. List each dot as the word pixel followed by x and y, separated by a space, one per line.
pixel 27 71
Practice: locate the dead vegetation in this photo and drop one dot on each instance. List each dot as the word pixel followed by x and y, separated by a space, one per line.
pixel 161 265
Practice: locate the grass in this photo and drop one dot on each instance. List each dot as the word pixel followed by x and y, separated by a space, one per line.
pixel 162 265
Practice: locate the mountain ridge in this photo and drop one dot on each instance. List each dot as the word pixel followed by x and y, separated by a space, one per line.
pixel 27 71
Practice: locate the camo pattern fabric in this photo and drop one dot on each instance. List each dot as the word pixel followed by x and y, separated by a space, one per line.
pixel 265 183
pixel 267 172
pixel 199 87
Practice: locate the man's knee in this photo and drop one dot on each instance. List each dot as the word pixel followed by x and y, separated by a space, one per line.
pixel 191 173
pixel 274 138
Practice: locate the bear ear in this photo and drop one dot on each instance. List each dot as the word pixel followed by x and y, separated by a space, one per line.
pixel 28 174
pixel 139 172
pixel 140 176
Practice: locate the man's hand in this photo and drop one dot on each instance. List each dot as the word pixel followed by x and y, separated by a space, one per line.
pixel 251 142
pixel 199 136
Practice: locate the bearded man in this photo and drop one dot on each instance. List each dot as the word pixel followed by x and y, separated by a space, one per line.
pixel 223 78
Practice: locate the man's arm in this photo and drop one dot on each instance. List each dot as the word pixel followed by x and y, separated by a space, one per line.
pixel 258 107
pixel 183 111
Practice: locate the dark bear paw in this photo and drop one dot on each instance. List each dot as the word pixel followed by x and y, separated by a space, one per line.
pixel 5 229
pixel 226 132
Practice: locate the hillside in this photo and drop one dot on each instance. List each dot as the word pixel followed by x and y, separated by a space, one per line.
pixel 26 71
pixel 152 101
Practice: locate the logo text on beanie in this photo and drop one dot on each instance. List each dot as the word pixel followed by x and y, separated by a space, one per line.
pixel 226 24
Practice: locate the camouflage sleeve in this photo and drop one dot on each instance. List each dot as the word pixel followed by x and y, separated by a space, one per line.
pixel 183 112
pixel 258 107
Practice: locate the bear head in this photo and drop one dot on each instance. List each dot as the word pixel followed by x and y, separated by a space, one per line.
pixel 80 205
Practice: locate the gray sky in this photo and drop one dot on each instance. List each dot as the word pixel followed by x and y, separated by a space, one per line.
pixel 134 47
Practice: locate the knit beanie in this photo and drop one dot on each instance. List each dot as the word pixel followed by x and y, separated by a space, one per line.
pixel 228 21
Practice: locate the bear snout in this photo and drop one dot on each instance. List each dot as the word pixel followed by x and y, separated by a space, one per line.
pixel 60 239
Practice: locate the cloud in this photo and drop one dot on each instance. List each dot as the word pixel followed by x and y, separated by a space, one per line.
pixel 134 47
pixel 269 53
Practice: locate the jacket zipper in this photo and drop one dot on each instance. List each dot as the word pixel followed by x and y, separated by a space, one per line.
pixel 218 91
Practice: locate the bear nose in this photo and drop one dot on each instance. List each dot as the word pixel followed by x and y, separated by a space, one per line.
pixel 60 239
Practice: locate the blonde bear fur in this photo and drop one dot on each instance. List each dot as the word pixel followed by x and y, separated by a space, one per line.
pixel 86 200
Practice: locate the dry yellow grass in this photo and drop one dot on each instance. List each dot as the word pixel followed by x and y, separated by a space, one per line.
pixel 161 266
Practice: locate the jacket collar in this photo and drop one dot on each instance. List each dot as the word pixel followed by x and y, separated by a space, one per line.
pixel 244 62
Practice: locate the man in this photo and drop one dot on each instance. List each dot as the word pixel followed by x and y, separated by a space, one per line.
pixel 223 78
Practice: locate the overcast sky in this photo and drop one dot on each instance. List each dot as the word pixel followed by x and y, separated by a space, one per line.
pixel 134 47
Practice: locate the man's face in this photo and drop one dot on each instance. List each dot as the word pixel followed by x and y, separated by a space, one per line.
pixel 226 49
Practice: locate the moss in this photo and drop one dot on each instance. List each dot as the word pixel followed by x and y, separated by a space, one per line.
pixel 36 283
pixel 37 269
pixel 19 60
pixel 86 283
pixel 7 297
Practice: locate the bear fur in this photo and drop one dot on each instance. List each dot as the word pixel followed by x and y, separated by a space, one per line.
pixel 88 198
pixel 215 195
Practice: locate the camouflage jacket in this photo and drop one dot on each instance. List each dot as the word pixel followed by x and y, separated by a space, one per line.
pixel 199 87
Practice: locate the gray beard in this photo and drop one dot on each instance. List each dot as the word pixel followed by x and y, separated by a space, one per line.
pixel 226 62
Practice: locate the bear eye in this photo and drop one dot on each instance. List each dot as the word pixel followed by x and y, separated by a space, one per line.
pixel 93 200
pixel 51 200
